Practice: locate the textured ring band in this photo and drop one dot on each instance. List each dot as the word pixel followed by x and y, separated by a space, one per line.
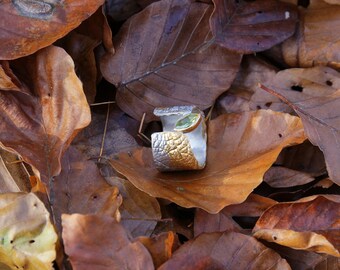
pixel 182 144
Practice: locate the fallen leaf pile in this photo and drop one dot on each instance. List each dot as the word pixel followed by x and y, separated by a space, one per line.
pixel 79 81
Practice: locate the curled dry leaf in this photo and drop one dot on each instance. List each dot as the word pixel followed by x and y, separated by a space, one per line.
pixel 254 206
pixel 28 237
pixel 164 57
pixel 39 120
pixel 87 236
pixel 27 26
pixel 309 224
pixel 319 111
pixel 241 147
pixel 317 39
pixel 160 246
pixel 248 27
pixel 280 177
pixel 80 188
pixel 228 250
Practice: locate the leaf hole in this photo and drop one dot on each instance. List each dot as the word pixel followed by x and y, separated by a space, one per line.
pixel 297 88
pixel 31 241
pixel 49 94
pixel 274 238
pixel 329 82
pixel 12 242
pixel 35 205
pixel 280 135
pixel 94 197
pixel 268 104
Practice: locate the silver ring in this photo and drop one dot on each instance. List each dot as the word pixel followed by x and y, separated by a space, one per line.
pixel 183 143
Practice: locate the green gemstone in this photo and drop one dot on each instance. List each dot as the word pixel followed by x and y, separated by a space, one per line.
pixel 187 122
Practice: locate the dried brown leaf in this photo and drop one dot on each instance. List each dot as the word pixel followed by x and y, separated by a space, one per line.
pixel 80 48
pixel 279 177
pixel 306 260
pixel 27 26
pixel 41 119
pixel 254 206
pixel 228 250
pixel 244 93
pixel 118 136
pixel 304 157
pixel 28 239
pixel 317 39
pixel 13 173
pixel 247 27
pixel 139 211
pixel 309 224
pixel 80 188
pixel 99 242
pixel 164 57
pixel 160 246
pixel 241 147
pixel 319 113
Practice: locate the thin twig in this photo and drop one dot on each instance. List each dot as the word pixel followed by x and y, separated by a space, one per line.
pixel 103 103
pixel 208 117
pixel 150 219
pixel 140 133
pixel 104 133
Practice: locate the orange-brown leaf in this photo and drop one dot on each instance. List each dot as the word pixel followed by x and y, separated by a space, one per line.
pixel 309 224
pixel 160 246
pixel 241 147
pixel 27 26
pixel 228 250
pixel 317 39
pixel 41 119
pixel 80 188
pixel 99 242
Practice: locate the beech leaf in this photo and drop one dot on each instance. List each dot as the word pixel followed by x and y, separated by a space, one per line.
pixel 99 242
pixel 80 188
pixel 280 177
pixel 160 246
pixel 309 224
pixel 316 41
pixel 41 119
pixel 164 57
pixel 241 147
pixel 28 239
pixel 254 206
pixel 321 118
pixel 247 27
pixel 27 26
pixel 228 250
